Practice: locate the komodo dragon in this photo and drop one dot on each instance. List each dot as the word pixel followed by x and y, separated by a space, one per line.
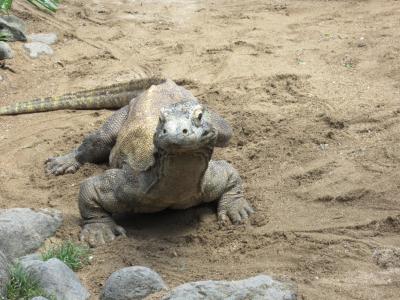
pixel 159 146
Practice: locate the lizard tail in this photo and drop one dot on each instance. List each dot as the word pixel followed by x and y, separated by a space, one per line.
pixel 112 97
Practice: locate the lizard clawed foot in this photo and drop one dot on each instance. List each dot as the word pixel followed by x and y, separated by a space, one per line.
pixel 236 211
pixel 62 164
pixel 96 234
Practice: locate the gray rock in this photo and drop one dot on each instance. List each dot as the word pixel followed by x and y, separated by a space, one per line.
pixel 39 298
pixel 5 51
pixel 15 21
pixel 14 27
pixel 260 287
pixel 23 230
pixel 45 38
pixel 56 278
pixel 25 260
pixel 35 49
pixel 4 276
pixel 387 257
pixel 132 283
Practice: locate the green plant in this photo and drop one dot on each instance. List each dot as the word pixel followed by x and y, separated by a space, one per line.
pixel 23 286
pixel 4 37
pixel 47 5
pixel 73 255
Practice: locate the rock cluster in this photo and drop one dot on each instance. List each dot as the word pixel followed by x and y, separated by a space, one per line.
pixel 40 44
pixel 23 231
pixel 14 29
pixel 135 283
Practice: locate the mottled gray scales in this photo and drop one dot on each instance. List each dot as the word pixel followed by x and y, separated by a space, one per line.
pixel 160 147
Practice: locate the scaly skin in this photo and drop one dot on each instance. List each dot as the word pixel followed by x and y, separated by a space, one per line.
pixel 160 147
pixel 113 96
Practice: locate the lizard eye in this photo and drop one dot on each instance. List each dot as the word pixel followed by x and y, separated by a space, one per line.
pixel 199 116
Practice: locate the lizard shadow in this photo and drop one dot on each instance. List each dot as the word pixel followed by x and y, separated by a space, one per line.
pixel 169 222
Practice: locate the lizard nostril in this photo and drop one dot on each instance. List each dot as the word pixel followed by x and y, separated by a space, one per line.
pixel 185 131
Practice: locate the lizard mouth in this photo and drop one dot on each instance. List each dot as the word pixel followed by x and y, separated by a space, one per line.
pixel 208 135
pixel 189 143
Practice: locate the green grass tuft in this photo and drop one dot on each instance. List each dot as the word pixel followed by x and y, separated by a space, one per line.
pixel 4 37
pixel 73 255
pixel 23 286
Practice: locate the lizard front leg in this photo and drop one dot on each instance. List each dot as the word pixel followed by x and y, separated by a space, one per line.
pixel 95 148
pixel 99 198
pixel 222 182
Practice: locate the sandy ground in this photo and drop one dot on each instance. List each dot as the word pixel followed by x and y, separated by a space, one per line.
pixel 312 91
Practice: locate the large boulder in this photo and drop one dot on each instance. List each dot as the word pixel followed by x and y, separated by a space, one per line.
pixel 260 287
pixel 55 277
pixel 132 283
pixel 23 230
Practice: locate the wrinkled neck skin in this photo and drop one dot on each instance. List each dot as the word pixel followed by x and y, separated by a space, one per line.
pixel 178 175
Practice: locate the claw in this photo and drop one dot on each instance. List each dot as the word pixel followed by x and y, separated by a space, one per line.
pixel 120 230
pixel 237 211
pixel 62 164
pixel 96 234
pixel 223 219
pixel 243 215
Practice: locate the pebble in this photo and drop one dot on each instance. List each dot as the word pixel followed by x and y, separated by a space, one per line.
pixel 5 51
pixel 36 49
pixel 45 38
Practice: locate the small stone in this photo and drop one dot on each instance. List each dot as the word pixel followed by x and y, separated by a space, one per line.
pixel 13 27
pixel 35 49
pixel 39 298
pixel 260 287
pixel 45 38
pixel 132 283
pixel 5 51
pixel 55 278
pixel 23 230
pixel 387 257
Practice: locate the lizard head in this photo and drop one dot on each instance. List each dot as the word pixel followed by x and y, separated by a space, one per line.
pixel 183 127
